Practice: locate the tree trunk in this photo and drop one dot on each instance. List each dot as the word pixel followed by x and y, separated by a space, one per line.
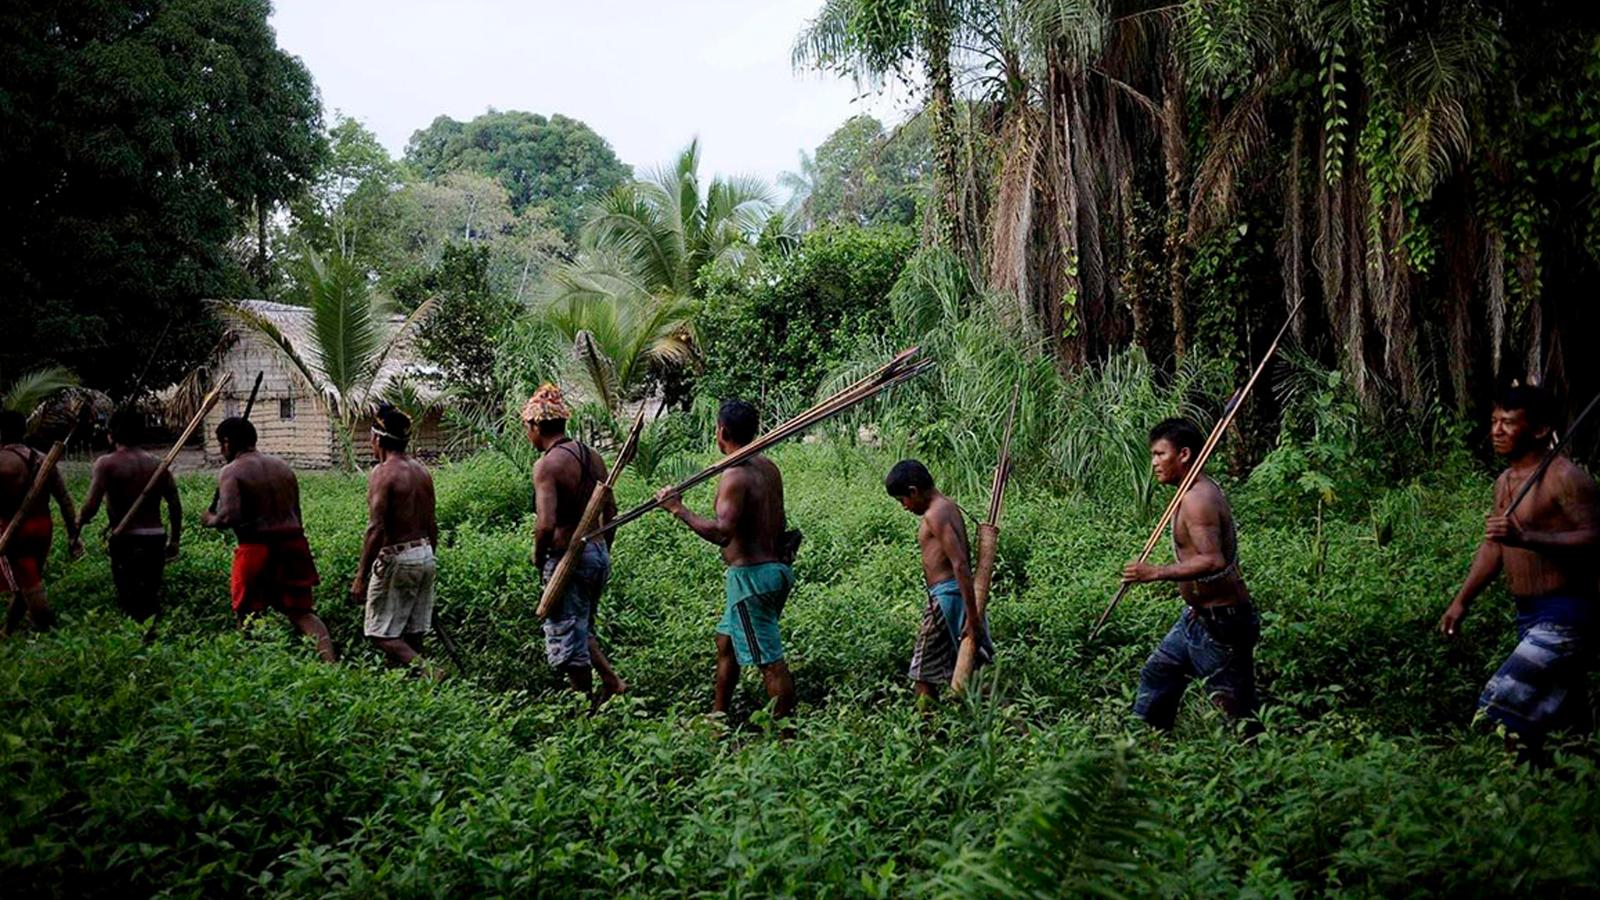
pixel 946 143
pixel 261 246
pixel 1174 137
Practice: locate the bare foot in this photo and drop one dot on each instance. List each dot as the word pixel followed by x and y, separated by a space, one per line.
pixel 615 688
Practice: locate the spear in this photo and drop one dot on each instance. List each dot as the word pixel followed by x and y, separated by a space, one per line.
pixel 1550 457
pixel 166 462
pixel 41 478
pixel 1230 411
pixel 902 368
pixel 250 404
pixel 598 499
pixel 988 546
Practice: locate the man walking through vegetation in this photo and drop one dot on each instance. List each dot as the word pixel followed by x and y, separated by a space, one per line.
pixel 749 526
pixel 258 497
pixel 1547 551
pixel 22 567
pixel 139 554
pixel 395 577
pixel 563 479
pixel 1215 635
pixel 951 613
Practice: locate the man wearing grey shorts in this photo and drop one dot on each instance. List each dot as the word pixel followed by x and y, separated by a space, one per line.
pixel 395 580
pixel 563 480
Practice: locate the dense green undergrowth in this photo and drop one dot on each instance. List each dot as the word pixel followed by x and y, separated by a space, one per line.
pixel 215 763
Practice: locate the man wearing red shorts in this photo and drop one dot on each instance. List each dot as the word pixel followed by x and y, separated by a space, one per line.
pixel 259 498
pixel 22 567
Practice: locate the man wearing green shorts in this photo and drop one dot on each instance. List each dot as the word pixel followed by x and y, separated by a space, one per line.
pixel 749 527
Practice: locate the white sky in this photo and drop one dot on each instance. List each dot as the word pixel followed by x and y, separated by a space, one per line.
pixel 647 76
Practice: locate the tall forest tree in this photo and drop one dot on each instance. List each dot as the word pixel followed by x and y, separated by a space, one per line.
pixel 1178 175
pixel 554 162
pixel 141 139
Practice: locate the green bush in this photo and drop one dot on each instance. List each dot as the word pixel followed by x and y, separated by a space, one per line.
pixel 773 340
pixel 212 763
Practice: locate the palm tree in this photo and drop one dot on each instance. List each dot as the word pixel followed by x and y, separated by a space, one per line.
pixel 352 338
pixel 800 184
pixel 870 40
pixel 627 301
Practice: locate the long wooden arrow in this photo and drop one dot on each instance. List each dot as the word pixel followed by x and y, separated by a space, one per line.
pixel 598 499
pixel 988 548
pixel 1234 405
pixel 166 462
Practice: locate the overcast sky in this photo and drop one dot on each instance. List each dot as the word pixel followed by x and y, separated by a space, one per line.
pixel 647 76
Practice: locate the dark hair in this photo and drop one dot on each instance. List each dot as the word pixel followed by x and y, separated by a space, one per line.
pixel 397 424
pixel 127 426
pixel 907 475
pixel 739 421
pixel 552 427
pixel 1180 433
pixel 13 426
pixel 238 432
pixel 1538 405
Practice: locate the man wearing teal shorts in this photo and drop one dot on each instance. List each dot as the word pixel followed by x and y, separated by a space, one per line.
pixel 750 528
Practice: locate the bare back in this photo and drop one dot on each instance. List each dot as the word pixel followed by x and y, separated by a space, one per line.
pixel 1562 500
pixel 18 466
pixel 568 472
pixel 941 514
pixel 753 490
pixel 119 477
pixel 400 489
pixel 259 497
pixel 1204 525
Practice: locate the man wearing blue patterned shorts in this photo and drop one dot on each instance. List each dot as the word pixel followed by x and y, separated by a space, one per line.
pixel 750 527
pixel 1547 550
pixel 951 613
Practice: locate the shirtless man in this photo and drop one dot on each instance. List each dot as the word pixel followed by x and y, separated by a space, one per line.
pixel 22 567
pixel 1547 551
pixel 395 578
pixel 749 527
pixel 140 553
pixel 951 611
pixel 1215 636
pixel 563 479
pixel 259 498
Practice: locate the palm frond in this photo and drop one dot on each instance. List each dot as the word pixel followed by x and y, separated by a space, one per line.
pixel 28 390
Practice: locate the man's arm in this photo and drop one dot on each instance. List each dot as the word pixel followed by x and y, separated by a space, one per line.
pixel 377 515
pixel 226 515
pixel 69 511
pixel 545 499
pixel 956 550
pixel 433 516
pixel 97 492
pixel 1486 564
pixel 730 508
pixel 169 490
pixel 1202 519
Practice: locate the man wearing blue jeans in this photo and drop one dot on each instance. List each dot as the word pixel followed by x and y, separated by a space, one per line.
pixel 1215 635
pixel 749 527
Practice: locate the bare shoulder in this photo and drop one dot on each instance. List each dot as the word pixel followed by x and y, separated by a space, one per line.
pixel 1571 475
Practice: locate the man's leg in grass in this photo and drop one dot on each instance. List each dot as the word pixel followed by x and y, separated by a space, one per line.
pixel 37 606
pixel 309 624
pixel 1165 676
pixel 926 692
pixel 397 649
pixel 780 687
pixel 727 675
pixel 610 683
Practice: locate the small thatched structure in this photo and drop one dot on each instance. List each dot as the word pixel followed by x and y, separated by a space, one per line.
pixel 289 419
